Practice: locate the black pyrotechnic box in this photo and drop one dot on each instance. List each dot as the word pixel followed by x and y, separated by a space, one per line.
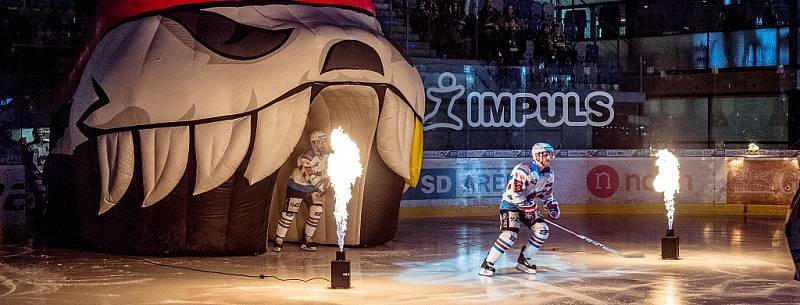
pixel 670 245
pixel 340 271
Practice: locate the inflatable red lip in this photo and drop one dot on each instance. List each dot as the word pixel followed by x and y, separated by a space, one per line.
pixel 188 116
pixel 112 12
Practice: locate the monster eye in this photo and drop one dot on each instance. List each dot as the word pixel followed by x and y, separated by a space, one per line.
pixel 229 38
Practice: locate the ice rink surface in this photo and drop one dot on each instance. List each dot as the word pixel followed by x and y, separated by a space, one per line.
pixel 723 260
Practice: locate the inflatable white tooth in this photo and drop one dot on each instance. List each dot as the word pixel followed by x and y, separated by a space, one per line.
pixel 164 156
pixel 116 160
pixel 219 148
pixel 281 123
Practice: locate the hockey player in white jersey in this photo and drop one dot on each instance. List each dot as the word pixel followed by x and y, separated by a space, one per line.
pixel 307 185
pixel 531 184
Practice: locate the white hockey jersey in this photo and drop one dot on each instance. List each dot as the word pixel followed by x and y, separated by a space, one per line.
pixel 311 171
pixel 528 187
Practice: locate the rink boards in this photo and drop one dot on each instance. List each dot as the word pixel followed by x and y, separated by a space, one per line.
pixel 457 178
pixel 12 186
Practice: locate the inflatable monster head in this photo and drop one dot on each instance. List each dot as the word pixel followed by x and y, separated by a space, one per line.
pixel 185 116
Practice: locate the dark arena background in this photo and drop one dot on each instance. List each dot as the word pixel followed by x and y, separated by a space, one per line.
pixel 108 199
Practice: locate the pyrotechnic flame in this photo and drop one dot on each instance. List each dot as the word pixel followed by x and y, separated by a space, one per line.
pixel 667 180
pixel 344 166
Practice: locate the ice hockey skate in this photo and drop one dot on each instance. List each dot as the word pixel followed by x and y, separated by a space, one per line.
pixel 307 244
pixel 277 246
pixel 524 266
pixel 487 269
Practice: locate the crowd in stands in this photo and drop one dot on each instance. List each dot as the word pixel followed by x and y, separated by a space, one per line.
pixel 502 31
pixel 443 23
pixel 657 17
pixel 40 31
pixel 492 34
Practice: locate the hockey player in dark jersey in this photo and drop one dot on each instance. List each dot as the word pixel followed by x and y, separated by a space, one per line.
pixel 308 183
pixel 531 183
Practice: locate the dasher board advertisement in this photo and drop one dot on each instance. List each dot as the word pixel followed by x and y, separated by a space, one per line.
pixel 735 180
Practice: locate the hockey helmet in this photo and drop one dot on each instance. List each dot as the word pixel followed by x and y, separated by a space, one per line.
pixel 318 135
pixel 319 142
pixel 541 148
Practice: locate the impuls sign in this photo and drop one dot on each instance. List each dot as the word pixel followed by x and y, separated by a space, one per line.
pixel 506 109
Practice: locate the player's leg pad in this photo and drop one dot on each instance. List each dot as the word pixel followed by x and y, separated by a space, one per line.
pixel 540 234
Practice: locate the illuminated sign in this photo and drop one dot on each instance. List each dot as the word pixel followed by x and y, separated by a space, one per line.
pixel 488 109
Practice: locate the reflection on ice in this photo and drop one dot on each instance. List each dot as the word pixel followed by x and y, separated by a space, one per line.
pixel 668 292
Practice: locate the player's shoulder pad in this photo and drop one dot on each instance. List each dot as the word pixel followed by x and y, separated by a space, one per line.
pixel 309 154
pixel 524 167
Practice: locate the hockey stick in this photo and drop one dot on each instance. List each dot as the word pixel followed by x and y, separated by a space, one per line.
pixel 593 242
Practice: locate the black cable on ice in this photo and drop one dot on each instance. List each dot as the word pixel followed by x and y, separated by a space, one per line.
pixel 260 276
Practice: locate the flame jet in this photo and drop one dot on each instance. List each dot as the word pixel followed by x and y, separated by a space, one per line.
pixel 343 167
pixel 667 181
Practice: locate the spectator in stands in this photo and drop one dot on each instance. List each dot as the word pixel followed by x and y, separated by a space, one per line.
pixel 52 19
pixel 22 27
pixel 10 150
pixel 451 10
pixel 76 24
pixel 732 18
pixel 525 15
pixel 544 45
pixel 489 29
pixel 752 48
pixel 68 16
pixel 5 38
pixel 512 42
pixel 564 49
pixel 12 4
pixel 50 26
pixel 41 36
pixel 592 53
pixel 422 17
pixel 760 13
pixel 451 43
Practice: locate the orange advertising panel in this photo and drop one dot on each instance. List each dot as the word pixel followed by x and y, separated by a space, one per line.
pixel 754 181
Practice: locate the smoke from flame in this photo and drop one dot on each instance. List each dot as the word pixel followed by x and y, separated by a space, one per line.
pixel 667 180
pixel 344 166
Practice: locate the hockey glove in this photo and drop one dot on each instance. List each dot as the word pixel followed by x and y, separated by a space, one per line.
pixel 324 185
pixel 552 207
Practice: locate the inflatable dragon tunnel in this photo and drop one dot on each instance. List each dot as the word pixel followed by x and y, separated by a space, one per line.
pixel 792 231
pixel 185 119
